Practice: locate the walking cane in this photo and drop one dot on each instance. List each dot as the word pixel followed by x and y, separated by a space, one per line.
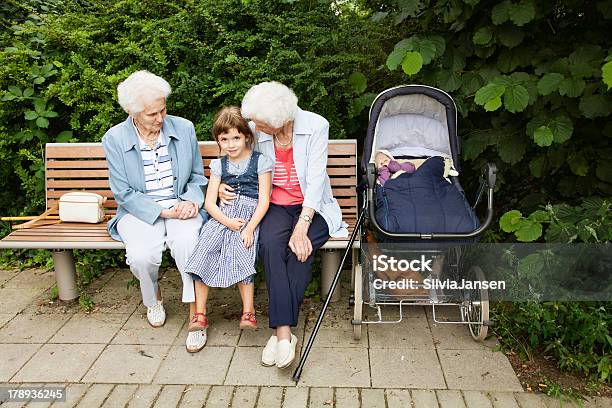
pixel 311 339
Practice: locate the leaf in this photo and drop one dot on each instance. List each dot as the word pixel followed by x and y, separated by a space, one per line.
pixel 511 149
pixel 549 83
pixel 30 115
pixel 536 166
pixel 521 13
pixel 529 231
pixel 8 97
pixel 28 92
pixel 488 92
pixel 604 171
pixel 40 105
pixel 500 13
pixel 516 98
pixel 379 16
pixel 562 128
pixel 483 36
pixel 358 81
pixel 426 48
pixel 543 136
pixel 49 114
pixel 531 266
pixel 471 82
pixel 572 87
pixel 510 221
pixel 42 122
pixel 10 50
pixel 475 145
pixel 15 90
pixel 395 58
pixel 579 164
pixel 412 62
pixel 448 80
pixel 39 80
pixel 493 104
pixel 606 74
pixel 64 137
pixel 594 106
pixel 411 7
pixel 510 35
pixel 539 216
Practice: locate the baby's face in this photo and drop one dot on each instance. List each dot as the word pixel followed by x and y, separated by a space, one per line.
pixel 381 159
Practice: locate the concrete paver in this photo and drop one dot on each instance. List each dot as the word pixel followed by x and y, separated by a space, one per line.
pixel 137 330
pixel 126 364
pixel 169 396
pixel 59 363
pixel 477 399
pixel 406 368
pixel 450 399
pixel 321 397
pixel 295 397
pixel 220 396
pixel 409 334
pixel 95 395
pixel 342 367
pixel 194 396
pixel 480 370
pixel 91 328
pixel 7 274
pixel 14 356
pixel 457 337
pixel 31 328
pixel 373 397
pixel 144 396
pixel 120 395
pixel 209 366
pixel 246 369
pixel 219 333
pixel 424 399
pixel 5 318
pixel 74 393
pixel 31 279
pixel 399 398
pixel 526 400
pixel 270 397
pixel 245 397
pixel 503 400
pixel 347 398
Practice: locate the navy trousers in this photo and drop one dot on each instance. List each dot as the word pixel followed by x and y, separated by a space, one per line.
pixel 286 277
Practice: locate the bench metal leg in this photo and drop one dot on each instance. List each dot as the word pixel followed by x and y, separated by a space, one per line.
pixel 65 275
pixel 330 260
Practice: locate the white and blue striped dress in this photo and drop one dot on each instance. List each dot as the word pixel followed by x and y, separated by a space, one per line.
pixel 220 258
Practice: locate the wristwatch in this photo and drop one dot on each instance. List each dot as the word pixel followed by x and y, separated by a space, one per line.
pixel 306 218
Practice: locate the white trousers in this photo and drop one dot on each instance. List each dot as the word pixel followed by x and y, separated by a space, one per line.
pixel 145 243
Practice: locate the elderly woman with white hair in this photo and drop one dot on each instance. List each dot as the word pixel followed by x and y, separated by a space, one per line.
pixel 303 213
pixel 157 178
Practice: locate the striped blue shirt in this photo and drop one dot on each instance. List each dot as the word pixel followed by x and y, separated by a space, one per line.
pixel 159 179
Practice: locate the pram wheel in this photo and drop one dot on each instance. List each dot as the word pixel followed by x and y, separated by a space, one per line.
pixel 358 302
pixel 475 308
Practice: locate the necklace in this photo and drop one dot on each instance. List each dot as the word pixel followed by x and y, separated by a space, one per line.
pixel 281 143
pixel 148 140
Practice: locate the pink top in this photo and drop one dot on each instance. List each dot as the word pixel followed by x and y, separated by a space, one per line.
pixel 285 184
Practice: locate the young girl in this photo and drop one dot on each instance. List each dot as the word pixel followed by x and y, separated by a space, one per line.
pixel 226 250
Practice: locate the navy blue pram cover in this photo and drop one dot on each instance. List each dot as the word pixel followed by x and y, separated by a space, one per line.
pixel 424 202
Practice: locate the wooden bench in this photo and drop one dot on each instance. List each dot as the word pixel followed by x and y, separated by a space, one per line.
pixel 83 167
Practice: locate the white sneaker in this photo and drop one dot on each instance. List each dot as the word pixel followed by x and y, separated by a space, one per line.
pixel 156 315
pixel 285 352
pixel 195 341
pixel 268 356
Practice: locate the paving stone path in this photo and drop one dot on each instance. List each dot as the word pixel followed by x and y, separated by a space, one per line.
pixel 112 357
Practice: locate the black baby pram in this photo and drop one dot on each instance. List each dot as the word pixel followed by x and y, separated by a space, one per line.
pixel 418 215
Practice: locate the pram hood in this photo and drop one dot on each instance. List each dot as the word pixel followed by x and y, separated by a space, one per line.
pixel 412 120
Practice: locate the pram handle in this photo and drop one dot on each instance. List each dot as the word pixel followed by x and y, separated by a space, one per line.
pixel 489 177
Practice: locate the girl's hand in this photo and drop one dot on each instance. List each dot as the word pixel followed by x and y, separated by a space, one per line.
pixel 248 237
pixel 236 224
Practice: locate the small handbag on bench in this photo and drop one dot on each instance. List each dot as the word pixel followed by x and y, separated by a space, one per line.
pixel 73 207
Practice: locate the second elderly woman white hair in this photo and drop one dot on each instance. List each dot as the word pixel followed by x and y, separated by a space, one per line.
pixel 140 89
pixel 270 102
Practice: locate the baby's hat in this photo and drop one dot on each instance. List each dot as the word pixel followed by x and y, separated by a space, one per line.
pixel 386 153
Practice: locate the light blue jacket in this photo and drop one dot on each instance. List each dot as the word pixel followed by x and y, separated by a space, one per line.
pixel 311 137
pixel 126 171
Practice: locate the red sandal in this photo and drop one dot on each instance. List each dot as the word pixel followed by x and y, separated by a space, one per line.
pixel 197 323
pixel 248 321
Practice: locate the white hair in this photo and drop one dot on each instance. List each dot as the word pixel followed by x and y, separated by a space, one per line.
pixel 140 89
pixel 270 102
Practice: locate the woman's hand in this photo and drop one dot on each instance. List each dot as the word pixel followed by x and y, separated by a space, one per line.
pixel 235 224
pixel 169 213
pixel 299 242
pixel 247 236
pixel 186 210
pixel 226 194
